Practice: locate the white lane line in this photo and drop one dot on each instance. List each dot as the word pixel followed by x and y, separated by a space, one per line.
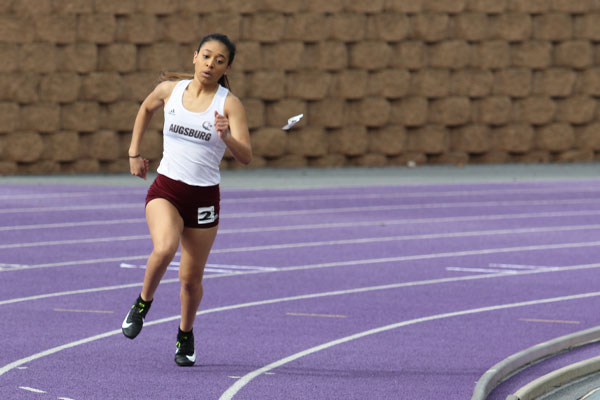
pixel 135 266
pixel 4 369
pixel 481 270
pixel 420 206
pixel 506 268
pixel 304 196
pixel 378 239
pixel 74 241
pixel 174 266
pixel 332 225
pixel 348 264
pixel 246 379
pixel 361 209
pixel 15 364
pixel 550 321
pixel 518 266
pixel 72 224
pixel 559 246
pixel 294 314
pixel 307 195
pixel 29 389
pixel 79 291
pixel 65 195
pixel 139 205
pixel 83 311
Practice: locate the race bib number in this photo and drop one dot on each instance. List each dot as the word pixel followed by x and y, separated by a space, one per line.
pixel 206 215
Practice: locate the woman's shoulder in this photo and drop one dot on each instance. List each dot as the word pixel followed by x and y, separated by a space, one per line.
pixel 232 102
pixel 165 88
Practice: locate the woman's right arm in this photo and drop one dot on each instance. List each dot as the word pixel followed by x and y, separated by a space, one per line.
pixel 156 99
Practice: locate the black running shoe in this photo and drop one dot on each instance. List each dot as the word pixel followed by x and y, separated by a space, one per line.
pixel 133 322
pixel 185 355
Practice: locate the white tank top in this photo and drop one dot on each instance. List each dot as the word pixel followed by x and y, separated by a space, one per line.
pixel 192 149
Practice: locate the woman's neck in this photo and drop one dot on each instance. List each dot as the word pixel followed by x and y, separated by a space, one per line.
pixel 197 88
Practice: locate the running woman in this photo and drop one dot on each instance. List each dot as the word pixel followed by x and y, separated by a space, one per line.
pixel 202 119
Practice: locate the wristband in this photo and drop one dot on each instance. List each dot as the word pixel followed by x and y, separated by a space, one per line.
pixel 136 156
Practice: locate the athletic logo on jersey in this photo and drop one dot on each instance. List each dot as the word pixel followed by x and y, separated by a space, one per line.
pixel 207 125
pixel 172 111
pixel 206 215
pixel 182 130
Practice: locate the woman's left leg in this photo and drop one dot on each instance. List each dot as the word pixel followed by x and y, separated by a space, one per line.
pixel 195 247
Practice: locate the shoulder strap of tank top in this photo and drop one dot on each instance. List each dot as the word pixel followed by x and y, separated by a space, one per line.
pixel 220 97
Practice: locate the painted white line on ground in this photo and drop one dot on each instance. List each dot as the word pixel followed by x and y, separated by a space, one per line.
pixel 246 379
pixel 74 241
pixel 73 224
pixel 66 195
pixel 312 211
pixel 379 239
pixel 452 254
pixel 29 389
pixel 518 266
pixel 552 321
pixel 420 206
pixel 332 225
pixel 304 196
pixel 293 314
pixel 134 266
pixel 482 270
pixel 4 369
pixel 139 205
pixel 83 311
pixel 79 291
pixel 353 263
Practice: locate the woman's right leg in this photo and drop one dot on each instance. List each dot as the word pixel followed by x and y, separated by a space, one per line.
pixel 166 227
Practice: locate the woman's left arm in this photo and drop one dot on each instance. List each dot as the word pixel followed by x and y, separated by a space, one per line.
pixel 233 129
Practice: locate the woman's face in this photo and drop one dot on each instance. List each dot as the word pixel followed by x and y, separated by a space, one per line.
pixel 211 62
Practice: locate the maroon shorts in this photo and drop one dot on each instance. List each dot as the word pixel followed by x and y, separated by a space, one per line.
pixel 197 205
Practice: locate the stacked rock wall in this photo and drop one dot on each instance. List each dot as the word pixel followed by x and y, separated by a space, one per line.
pixel 381 82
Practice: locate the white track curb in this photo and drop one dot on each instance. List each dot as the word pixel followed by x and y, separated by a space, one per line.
pixel 516 362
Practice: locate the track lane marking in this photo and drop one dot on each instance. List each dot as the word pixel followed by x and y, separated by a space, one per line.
pixel 30 389
pixel 305 194
pixel 294 314
pixel 551 321
pixel 362 209
pixel 83 311
pixel 332 225
pixel 246 379
pixel 377 239
pixel 350 263
pixel 15 364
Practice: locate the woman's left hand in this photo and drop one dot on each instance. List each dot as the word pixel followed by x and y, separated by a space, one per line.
pixel 221 125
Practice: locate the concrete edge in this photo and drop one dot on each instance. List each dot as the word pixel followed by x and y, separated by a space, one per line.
pixel 556 379
pixel 523 359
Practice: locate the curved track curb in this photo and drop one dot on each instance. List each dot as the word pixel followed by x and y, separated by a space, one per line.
pixel 523 359
pixel 555 379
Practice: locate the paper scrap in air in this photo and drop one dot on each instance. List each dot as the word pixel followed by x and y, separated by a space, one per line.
pixel 293 121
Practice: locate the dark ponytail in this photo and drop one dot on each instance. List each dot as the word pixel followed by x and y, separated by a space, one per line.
pixel 219 37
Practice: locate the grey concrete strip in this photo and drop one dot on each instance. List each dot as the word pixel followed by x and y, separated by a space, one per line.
pixel 523 359
pixel 556 379
pixel 348 176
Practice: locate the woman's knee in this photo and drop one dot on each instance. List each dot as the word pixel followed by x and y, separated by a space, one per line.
pixel 190 280
pixel 165 250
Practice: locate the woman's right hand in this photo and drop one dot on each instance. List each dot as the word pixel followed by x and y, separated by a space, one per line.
pixel 138 166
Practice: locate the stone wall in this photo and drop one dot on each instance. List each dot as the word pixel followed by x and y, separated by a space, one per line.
pixel 381 82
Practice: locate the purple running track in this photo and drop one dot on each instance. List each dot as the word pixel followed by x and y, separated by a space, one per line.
pixel 379 292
